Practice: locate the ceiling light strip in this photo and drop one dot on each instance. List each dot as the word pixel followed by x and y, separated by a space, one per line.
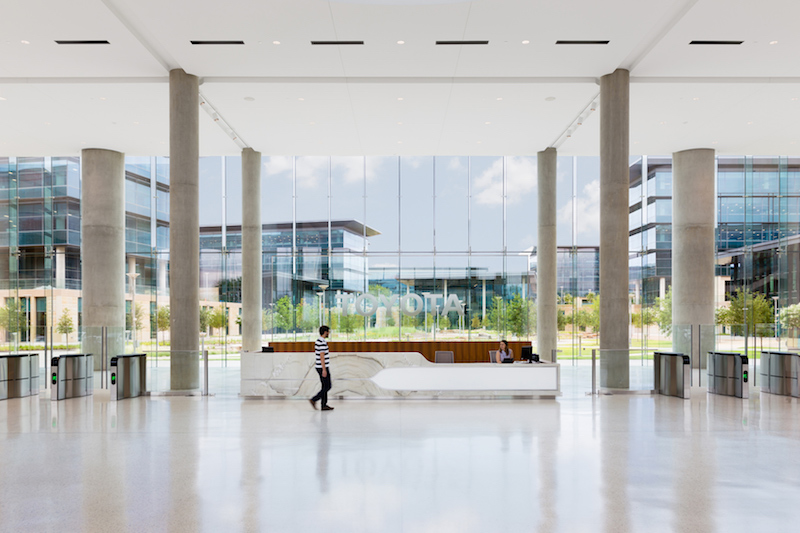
pixel 196 43
pixel 458 43
pixel 221 122
pixel 578 121
pixel 582 42
pixel 81 42
pixel 714 43
pixel 337 43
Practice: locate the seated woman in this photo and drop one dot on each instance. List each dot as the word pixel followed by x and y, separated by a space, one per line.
pixel 504 354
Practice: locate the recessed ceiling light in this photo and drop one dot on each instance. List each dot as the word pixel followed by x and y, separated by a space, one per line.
pixel 399 123
pixel 249 99
pixel 526 42
pixel 749 122
pixel 771 42
pixel 301 99
pixel 479 142
pixel 487 123
pixel 401 42
pixel 46 123
pixel 794 99
pixel 276 42
pixel 714 142
pixel 662 122
pixel 580 120
pixel 2 99
pixel 102 98
pixel 696 98
pixel 399 142
pixel 312 123
pixel 135 123
pixel 549 98
pixel 28 42
pixel 399 98
pixel 499 98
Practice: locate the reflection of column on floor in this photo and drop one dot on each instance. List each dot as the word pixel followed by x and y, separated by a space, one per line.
pixel 695 472
pixel 251 465
pixel 614 458
pixel 323 453
pixel 548 475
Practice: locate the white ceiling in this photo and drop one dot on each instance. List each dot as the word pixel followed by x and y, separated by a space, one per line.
pixel 737 99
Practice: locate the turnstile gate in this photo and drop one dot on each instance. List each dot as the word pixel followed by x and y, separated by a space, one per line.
pixel 728 374
pixel 71 376
pixel 128 376
pixel 779 373
pixel 19 375
pixel 672 374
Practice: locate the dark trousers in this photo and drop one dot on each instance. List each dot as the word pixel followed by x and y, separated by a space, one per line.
pixel 326 386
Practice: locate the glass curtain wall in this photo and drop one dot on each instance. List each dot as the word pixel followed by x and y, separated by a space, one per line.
pixel 389 248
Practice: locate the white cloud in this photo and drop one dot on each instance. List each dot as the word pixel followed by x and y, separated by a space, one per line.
pixel 587 209
pixel 487 188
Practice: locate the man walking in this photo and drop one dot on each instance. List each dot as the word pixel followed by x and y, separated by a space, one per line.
pixel 323 368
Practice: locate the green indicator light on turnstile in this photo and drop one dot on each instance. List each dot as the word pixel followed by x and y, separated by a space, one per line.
pixel 744 376
pixel 55 379
pixel 113 378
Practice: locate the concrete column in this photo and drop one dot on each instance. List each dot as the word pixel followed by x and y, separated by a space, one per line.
pixel 614 184
pixel 61 267
pixel 693 208
pixel 184 229
pixel 546 256
pixel 103 249
pixel 251 250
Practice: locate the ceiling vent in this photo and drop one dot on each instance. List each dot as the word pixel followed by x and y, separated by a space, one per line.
pixel 716 42
pixel 82 42
pixel 456 43
pixel 217 42
pixel 336 43
pixel 582 42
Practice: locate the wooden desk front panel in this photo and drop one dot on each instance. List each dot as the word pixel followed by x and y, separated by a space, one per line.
pixel 463 351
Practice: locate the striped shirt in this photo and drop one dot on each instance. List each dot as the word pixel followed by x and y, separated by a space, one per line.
pixel 321 347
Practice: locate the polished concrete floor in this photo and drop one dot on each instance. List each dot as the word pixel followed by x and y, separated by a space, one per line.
pixel 610 463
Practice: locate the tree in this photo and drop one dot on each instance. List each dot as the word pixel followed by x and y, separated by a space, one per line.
pixel 205 319
pixel 13 317
pixel 750 309
pixel 590 297
pixel 65 325
pixel 140 319
pixel 378 290
pixel 349 323
pixel 790 316
pixel 663 312
pixel 476 322
pixel 219 320
pixel 284 314
pixel 521 316
pixel 444 322
pixel 496 315
pixel 162 318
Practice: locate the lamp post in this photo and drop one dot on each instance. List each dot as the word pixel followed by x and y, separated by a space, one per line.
pixel 132 276
pixel 322 287
pixel 272 322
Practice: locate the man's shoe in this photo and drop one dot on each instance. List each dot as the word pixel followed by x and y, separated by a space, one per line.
pixel 327 408
pixel 313 404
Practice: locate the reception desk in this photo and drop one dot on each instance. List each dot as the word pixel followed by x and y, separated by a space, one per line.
pixel 393 375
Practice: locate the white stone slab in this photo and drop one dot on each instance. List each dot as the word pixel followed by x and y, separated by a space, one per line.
pixel 391 374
